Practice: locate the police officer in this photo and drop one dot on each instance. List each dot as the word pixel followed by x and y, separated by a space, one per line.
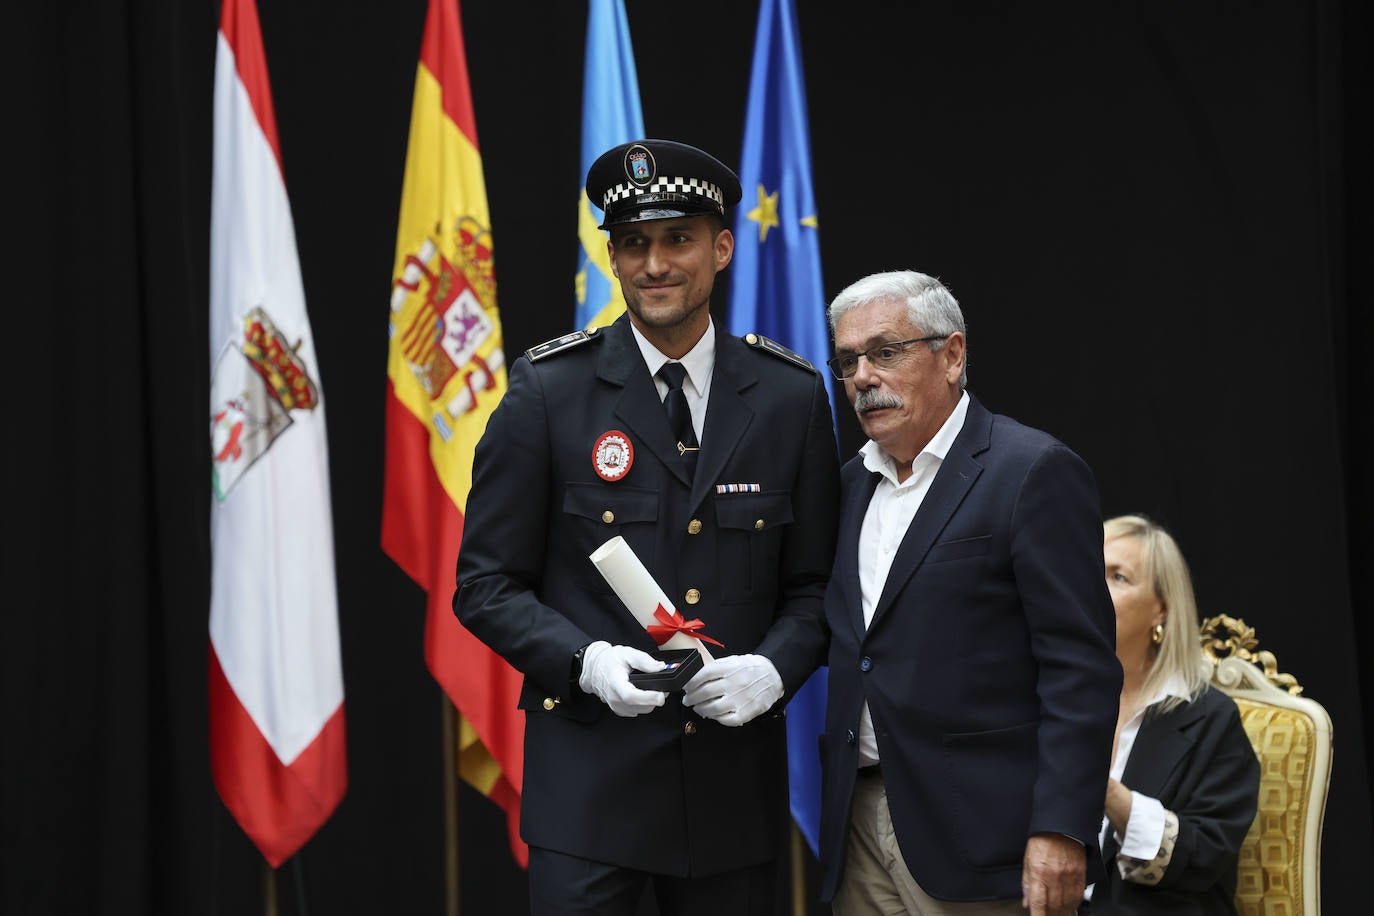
pixel 720 472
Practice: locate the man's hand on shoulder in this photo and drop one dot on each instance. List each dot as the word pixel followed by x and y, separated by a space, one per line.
pixel 1053 875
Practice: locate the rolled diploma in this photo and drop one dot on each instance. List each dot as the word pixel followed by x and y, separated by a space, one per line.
pixel 637 590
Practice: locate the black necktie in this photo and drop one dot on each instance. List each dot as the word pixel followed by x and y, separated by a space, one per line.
pixel 679 414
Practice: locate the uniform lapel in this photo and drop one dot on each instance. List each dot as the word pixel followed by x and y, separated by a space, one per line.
pixel 952 483
pixel 639 407
pixel 728 416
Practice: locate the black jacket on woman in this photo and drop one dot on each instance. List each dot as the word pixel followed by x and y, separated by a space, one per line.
pixel 1197 760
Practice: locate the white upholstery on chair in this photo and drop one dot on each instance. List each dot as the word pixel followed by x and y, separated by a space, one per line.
pixel 1280 860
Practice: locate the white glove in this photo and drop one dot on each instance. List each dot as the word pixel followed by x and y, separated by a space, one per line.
pixel 734 689
pixel 606 674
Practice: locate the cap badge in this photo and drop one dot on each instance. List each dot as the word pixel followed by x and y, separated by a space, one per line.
pixel 639 165
pixel 612 456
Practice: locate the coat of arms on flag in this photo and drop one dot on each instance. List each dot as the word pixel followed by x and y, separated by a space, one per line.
pixel 440 309
pixel 258 381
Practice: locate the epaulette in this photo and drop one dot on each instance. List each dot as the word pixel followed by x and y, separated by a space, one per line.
pixel 759 342
pixel 559 344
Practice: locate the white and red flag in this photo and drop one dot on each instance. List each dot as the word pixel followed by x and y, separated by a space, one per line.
pixel 276 683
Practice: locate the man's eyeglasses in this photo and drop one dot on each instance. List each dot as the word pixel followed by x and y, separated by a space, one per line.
pixel 883 356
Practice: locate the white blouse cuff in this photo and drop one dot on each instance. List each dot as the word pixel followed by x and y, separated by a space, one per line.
pixel 1144 828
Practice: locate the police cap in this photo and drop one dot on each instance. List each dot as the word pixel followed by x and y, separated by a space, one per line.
pixel 659 179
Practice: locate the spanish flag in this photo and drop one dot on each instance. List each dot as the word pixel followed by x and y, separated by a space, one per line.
pixel 445 374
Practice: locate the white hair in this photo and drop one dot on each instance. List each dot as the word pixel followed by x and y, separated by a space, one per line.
pixel 930 306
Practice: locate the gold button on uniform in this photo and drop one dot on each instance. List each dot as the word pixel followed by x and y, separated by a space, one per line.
pixel 758 525
pixel 694 526
pixel 693 596
pixel 550 702
pixel 608 516
pixel 751 339
pixel 690 728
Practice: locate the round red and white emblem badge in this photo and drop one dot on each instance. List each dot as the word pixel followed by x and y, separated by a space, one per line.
pixel 613 455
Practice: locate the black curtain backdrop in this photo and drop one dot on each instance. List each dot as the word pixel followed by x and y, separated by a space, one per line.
pixel 1153 214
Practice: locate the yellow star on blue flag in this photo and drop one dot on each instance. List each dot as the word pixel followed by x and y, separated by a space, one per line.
pixel 766 213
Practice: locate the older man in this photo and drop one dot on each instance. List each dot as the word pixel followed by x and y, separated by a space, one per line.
pixel 973 681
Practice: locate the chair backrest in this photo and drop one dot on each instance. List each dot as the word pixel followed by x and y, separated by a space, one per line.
pixel 1280 860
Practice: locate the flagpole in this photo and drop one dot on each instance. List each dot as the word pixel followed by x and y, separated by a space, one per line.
pixel 798 873
pixel 449 715
pixel 269 890
pixel 298 879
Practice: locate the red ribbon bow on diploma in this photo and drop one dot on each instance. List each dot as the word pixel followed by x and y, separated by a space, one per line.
pixel 669 624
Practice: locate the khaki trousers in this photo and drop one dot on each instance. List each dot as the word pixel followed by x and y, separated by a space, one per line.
pixel 876 879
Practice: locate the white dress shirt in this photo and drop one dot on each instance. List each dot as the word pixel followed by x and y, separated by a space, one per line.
pixel 700 363
pixel 886 521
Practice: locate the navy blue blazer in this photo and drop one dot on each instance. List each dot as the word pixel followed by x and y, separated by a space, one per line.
pixel 989 668
pixel 666 792
pixel 1197 760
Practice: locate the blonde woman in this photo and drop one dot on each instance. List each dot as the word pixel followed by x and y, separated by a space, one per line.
pixel 1184 778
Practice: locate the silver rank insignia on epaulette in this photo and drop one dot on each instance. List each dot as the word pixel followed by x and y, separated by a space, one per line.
pixel 759 342
pixel 559 344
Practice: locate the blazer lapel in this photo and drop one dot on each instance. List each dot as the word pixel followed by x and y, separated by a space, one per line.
pixel 851 525
pixel 952 483
pixel 1159 748
pixel 728 416
pixel 622 364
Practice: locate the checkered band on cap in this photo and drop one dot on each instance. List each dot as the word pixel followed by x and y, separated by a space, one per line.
pixel 695 186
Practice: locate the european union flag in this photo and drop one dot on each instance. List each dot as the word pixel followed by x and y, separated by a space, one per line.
pixel 610 116
pixel 775 289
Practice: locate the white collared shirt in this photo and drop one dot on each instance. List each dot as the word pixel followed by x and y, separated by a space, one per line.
pixel 700 363
pixel 889 515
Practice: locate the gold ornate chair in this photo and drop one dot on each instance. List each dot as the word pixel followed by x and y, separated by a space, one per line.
pixel 1280 860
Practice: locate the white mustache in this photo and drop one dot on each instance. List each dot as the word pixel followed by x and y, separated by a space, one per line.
pixel 873 399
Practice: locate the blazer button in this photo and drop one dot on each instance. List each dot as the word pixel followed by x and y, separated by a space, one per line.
pixel 550 702
pixel 693 596
pixel 608 516
pixel 694 526
pixel 865 663
pixel 758 525
pixel 690 728
pixel 849 737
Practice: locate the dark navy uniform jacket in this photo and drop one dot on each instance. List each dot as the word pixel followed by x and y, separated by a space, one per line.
pixel 667 792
